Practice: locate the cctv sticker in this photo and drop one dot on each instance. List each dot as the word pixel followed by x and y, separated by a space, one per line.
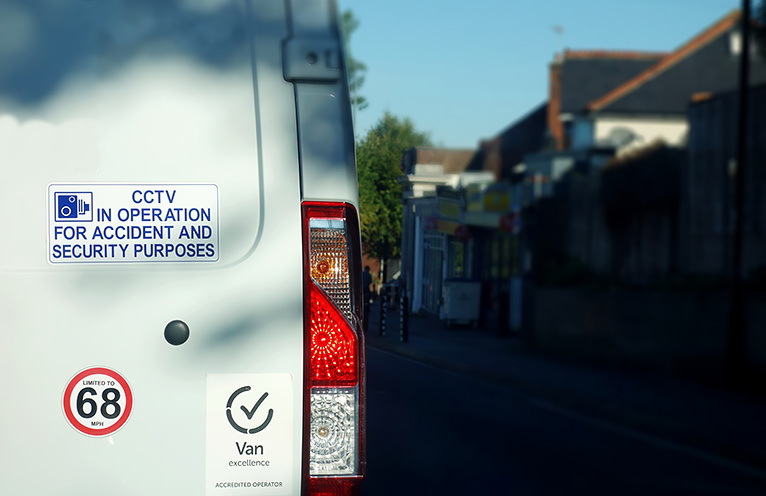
pixel 250 434
pixel 128 223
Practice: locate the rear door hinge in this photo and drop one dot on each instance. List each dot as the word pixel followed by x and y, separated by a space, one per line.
pixel 311 59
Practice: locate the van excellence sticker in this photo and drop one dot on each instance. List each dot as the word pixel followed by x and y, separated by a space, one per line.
pixel 124 223
pixel 249 434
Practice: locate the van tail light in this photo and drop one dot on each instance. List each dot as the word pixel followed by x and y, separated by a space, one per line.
pixel 334 415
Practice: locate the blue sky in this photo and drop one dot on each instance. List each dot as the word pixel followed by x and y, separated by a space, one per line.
pixel 463 70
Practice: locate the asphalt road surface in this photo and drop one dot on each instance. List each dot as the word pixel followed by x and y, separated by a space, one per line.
pixel 432 431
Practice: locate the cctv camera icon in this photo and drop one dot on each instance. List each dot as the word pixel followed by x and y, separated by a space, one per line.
pixel 74 207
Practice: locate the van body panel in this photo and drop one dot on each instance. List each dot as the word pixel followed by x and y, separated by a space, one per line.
pixel 161 95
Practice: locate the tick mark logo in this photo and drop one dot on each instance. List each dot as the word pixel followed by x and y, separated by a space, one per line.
pixel 248 412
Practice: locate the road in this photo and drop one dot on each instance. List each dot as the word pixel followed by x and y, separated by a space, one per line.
pixel 432 431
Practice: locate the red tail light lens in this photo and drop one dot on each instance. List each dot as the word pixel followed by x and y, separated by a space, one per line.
pixel 333 345
pixel 331 487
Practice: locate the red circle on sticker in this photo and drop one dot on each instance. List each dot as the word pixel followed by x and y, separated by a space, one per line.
pixel 97 401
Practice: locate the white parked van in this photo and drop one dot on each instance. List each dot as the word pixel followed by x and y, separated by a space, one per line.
pixel 180 295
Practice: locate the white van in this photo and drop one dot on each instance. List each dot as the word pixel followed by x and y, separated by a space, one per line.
pixel 180 297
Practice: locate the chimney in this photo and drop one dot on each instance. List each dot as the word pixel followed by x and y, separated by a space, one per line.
pixel 555 125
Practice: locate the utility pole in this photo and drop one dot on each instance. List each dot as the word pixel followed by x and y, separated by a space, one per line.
pixel 735 333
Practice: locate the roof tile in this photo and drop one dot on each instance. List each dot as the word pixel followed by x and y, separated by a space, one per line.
pixel 684 51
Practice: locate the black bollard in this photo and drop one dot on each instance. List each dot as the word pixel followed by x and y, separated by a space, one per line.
pixel 383 311
pixel 366 315
pixel 404 324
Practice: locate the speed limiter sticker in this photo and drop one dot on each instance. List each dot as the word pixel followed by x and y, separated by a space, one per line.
pixel 98 401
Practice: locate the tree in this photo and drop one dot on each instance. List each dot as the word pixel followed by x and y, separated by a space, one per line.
pixel 378 157
pixel 354 67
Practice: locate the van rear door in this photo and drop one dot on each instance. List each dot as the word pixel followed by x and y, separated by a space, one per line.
pixel 165 167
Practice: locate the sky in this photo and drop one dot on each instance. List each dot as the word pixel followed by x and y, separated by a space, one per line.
pixel 464 70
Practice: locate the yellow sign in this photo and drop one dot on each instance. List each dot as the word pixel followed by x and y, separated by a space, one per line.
pixel 447 227
pixel 473 198
pixel 449 209
pixel 497 201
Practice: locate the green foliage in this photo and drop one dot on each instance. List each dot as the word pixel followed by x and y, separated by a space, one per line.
pixel 378 157
pixel 355 68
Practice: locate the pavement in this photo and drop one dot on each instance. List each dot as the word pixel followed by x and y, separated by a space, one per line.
pixel 722 426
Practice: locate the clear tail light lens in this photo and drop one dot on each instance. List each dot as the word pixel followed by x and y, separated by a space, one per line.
pixel 335 349
pixel 334 433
